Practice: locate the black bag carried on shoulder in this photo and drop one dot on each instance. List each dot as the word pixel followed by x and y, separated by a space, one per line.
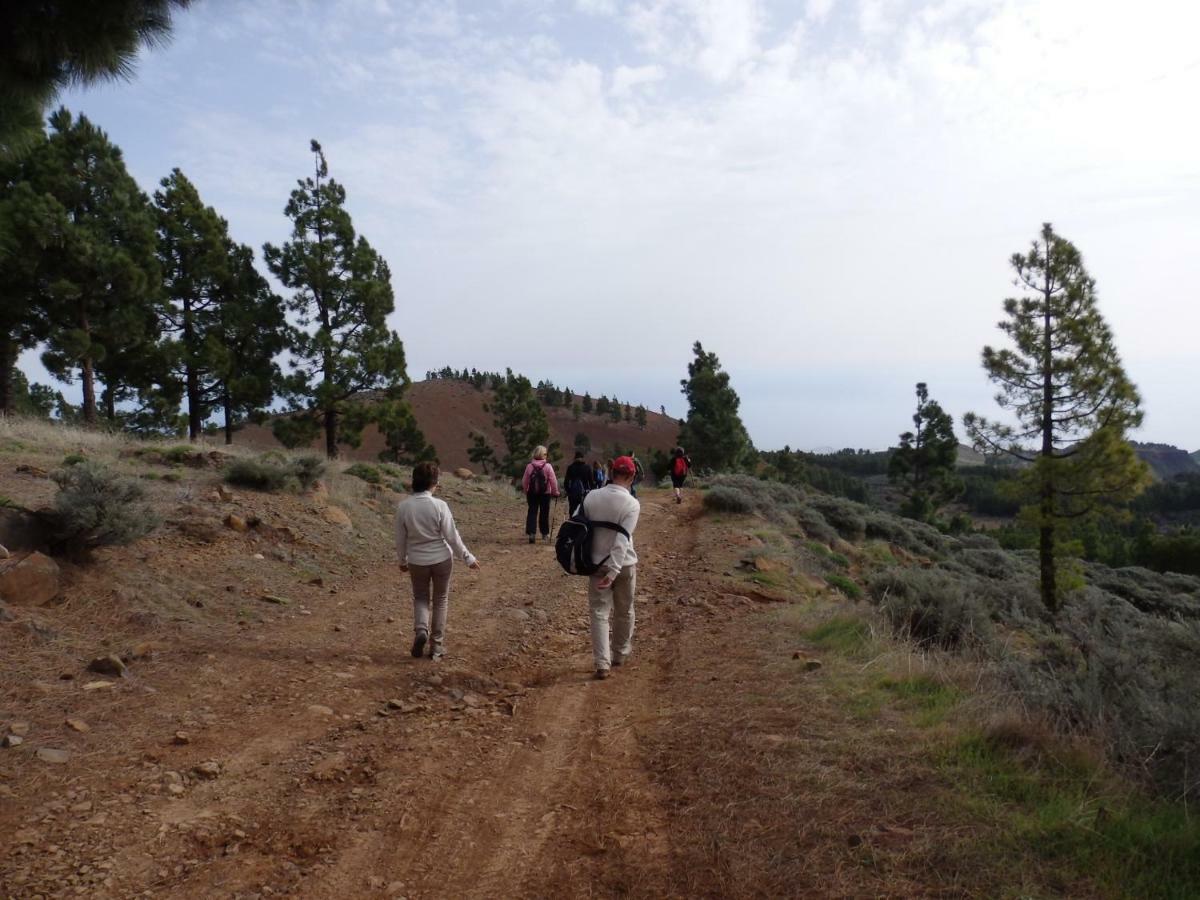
pixel 573 546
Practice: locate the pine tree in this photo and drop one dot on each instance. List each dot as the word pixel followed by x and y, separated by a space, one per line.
pixel 405 442
pixel 103 273
pixel 342 297
pixel 250 332
pixel 925 461
pixel 46 47
pixel 480 453
pixel 614 411
pixel 713 431
pixel 586 406
pixel 520 419
pixel 1072 401
pixel 640 416
pixel 602 405
pixel 29 224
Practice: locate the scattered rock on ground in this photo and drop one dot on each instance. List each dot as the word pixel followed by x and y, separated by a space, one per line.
pixel 236 522
pixel 11 740
pixel 335 515
pixel 224 493
pixel 318 710
pixel 30 580
pixel 181 738
pixel 78 725
pixel 21 729
pixel 107 665
pixel 53 756
pixel 207 770
pixel 464 473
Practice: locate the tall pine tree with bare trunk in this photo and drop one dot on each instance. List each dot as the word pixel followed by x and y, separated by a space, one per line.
pixel 1063 382
pixel 342 295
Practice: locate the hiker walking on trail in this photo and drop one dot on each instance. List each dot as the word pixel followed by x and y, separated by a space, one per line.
pixel 681 465
pixel 427 541
pixel 579 480
pixel 540 485
pixel 639 473
pixel 611 589
pixel 599 475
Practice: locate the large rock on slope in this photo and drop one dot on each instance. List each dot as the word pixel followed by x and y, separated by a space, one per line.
pixel 29 580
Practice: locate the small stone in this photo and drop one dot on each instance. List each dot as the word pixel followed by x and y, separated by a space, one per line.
pixel 236 522
pixel 50 755
pixel 224 494
pixel 395 888
pixel 335 515
pixel 318 710
pixel 395 704
pixel 811 665
pixel 316 581
pixel 339 627
pixel 98 685
pixel 275 599
pixel 107 665
pixel 11 740
pixel 21 729
pixel 207 770
pixel 176 790
pixel 374 882
pixel 78 725
pixel 181 738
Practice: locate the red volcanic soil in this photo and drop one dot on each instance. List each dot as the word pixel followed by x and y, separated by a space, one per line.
pixel 448 411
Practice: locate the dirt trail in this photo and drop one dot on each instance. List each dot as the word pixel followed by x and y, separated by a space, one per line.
pixel 347 768
pixel 506 770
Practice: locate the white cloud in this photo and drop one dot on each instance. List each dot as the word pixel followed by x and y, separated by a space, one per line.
pixel 812 196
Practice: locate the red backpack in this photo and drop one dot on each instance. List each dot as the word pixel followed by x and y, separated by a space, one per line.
pixel 679 467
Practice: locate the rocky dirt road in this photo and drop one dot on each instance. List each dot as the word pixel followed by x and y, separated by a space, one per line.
pixel 314 757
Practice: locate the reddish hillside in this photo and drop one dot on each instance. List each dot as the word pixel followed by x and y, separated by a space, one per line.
pixel 448 411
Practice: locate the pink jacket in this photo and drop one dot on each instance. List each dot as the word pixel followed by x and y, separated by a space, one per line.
pixel 551 480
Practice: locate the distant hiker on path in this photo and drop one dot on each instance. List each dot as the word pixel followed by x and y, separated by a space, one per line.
pixel 426 543
pixel 611 589
pixel 681 465
pixel 639 473
pixel 579 480
pixel 539 484
pixel 599 475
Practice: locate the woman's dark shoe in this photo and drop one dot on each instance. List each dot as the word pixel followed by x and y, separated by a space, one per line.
pixel 418 647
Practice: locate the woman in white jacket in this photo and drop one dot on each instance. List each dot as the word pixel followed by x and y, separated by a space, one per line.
pixel 426 543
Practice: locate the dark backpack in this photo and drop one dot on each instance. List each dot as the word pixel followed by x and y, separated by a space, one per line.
pixel 537 481
pixel 679 468
pixel 573 546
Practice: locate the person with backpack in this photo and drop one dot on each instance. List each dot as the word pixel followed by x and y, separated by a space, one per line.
pixel 426 543
pixel 540 485
pixel 639 473
pixel 579 481
pixel 681 465
pixel 599 475
pixel 611 588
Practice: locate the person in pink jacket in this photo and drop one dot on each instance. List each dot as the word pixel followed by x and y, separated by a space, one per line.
pixel 539 484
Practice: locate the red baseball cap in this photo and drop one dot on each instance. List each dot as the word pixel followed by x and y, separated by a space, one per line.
pixel 624 465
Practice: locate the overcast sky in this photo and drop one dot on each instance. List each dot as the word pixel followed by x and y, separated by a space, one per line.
pixel 825 193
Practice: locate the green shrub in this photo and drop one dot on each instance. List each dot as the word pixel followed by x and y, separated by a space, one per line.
pixel 96 507
pixel 724 498
pixel 179 454
pixel 366 472
pixel 73 459
pixel 272 471
pixel 929 606
pixel 308 470
pixel 845 585
pixel 257 474
pixel 842 515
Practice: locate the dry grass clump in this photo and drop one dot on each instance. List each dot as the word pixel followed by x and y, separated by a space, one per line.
pixel 930 607
pixel 45 437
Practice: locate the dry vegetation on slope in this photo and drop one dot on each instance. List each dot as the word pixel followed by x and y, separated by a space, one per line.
pixel 770 736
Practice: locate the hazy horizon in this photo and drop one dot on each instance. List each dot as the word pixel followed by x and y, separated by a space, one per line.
pixel 826 194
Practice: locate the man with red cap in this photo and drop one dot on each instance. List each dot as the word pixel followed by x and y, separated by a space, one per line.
pixel 611 589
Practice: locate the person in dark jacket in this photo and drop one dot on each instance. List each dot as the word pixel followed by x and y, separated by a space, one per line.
pixel 579 481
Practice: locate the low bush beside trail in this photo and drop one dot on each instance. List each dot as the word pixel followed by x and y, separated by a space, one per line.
pixel 274 472
pixel 96 507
